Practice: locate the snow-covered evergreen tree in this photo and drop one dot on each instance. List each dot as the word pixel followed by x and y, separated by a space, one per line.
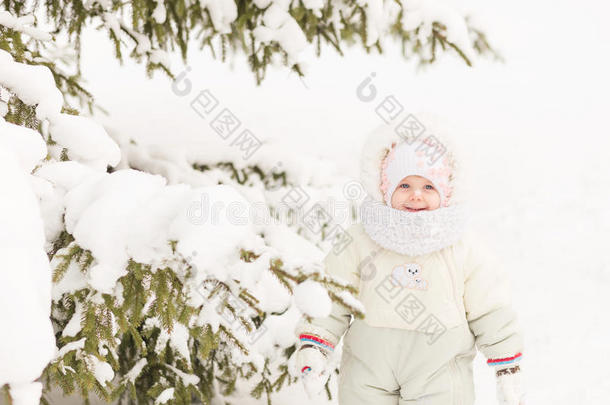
pixel 266 31
pixel 156 297
pixel 150 299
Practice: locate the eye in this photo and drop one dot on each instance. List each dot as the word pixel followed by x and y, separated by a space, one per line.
pixel 429 187
pixel 404 185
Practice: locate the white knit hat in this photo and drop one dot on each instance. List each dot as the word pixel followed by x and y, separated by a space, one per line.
pixel 425 158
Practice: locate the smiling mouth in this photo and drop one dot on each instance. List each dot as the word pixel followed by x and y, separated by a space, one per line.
pixel 414 209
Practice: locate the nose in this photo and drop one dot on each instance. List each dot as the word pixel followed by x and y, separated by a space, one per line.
pixel 415 195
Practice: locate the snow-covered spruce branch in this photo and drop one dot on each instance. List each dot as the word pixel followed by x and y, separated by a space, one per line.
pixel 33 86
pixel 28 45
pixel 261 177
pixel 127 279
pixel 272 31
pixel 161 299
pixel 140 279
pixel 156 57
pixel 23 24
pixel 27 343
pixel 110 318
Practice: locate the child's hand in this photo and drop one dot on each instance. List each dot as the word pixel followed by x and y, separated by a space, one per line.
pixel 509 388
pixel 312 364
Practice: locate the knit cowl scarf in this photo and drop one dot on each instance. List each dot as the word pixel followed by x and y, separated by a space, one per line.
pixel 413 233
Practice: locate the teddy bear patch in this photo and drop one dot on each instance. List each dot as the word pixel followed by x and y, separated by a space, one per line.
pixel 409 275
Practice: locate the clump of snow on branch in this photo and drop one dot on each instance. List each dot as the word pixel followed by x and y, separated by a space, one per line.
pixel 35 85
pixel 23 24
pixel 223 13
pixel 279 26
pixel 27 342
pixel 423 13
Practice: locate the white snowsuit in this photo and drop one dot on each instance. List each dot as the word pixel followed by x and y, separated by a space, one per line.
pixel 424 315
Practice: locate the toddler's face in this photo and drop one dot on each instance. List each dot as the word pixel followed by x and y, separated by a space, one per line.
pixel 415 193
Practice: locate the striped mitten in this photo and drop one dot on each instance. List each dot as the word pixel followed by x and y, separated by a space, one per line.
pixel 509 387
pixel 312 362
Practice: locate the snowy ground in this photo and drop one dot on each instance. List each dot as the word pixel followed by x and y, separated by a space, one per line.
pixel 538 141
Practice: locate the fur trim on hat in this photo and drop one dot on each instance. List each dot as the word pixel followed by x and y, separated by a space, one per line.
pixel 378 145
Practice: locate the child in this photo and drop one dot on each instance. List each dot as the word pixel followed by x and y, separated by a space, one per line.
pixel 430 290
